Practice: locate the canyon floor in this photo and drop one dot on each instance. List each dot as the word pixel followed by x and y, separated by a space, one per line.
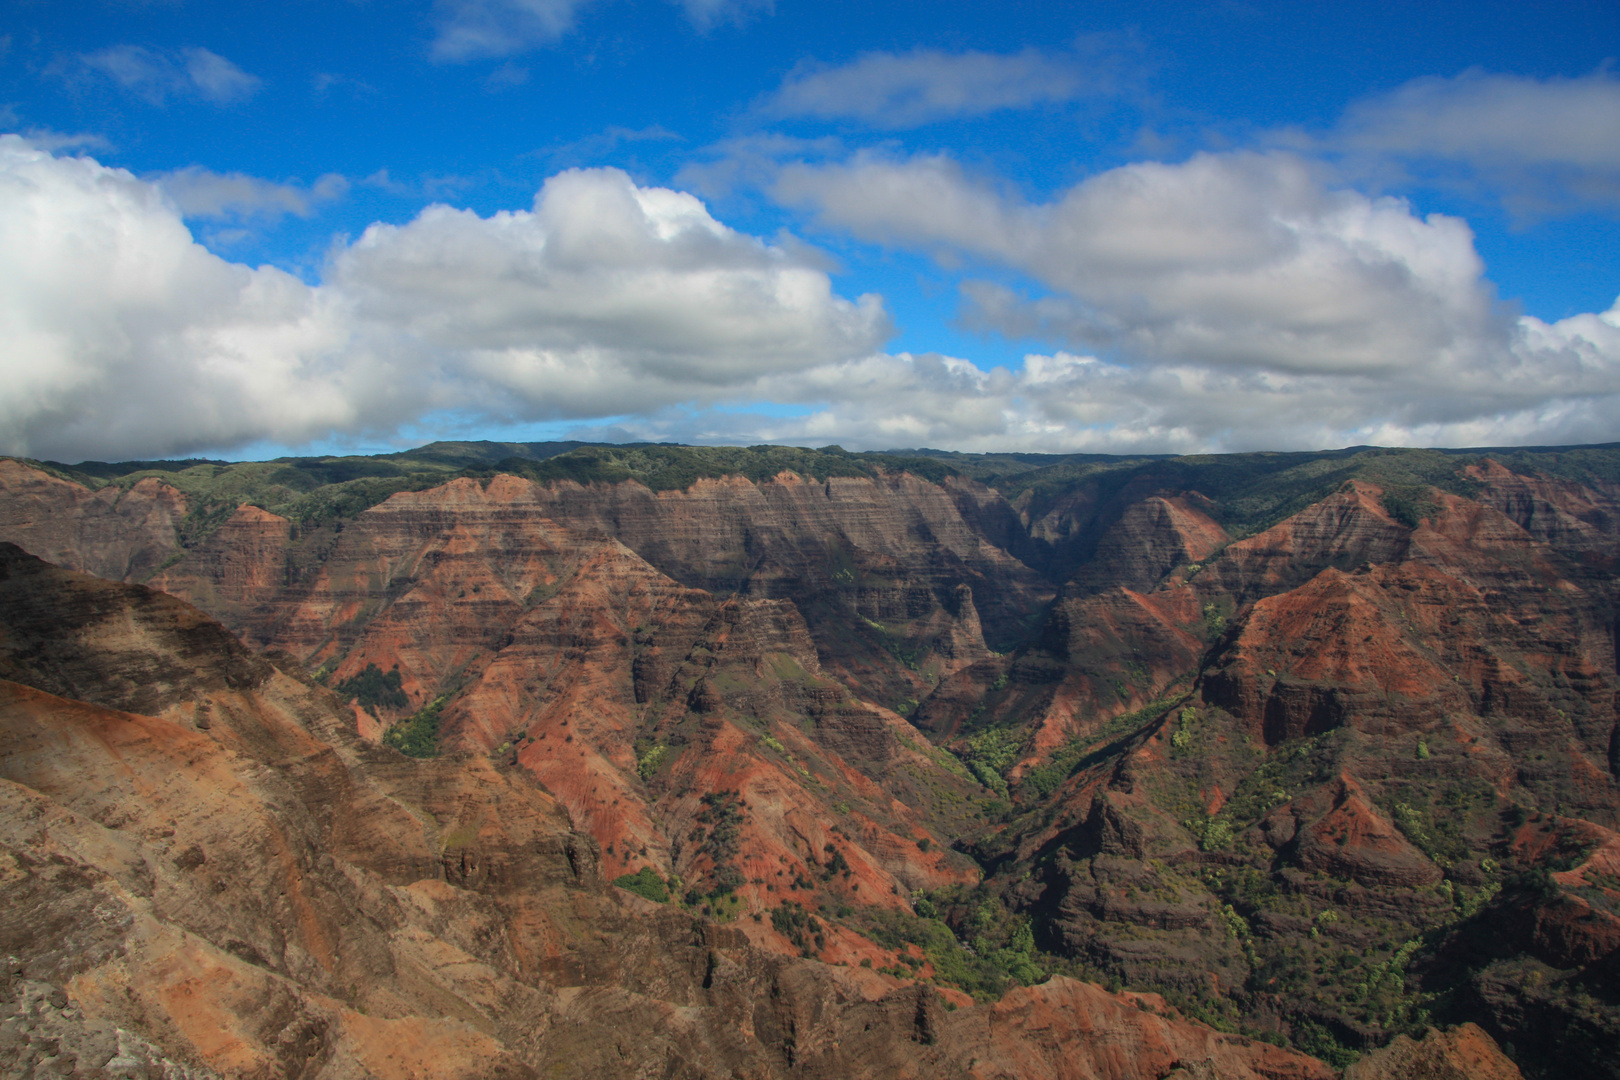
pixel 574 760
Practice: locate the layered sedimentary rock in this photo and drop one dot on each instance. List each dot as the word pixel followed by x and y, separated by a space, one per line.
pixel 112 533
pixel 1356 764
pixel 229 881
pixel 1376 695
pixel 1465 1053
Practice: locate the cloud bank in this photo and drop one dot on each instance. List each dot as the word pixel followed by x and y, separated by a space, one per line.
pixel 1547 145
pixel 1229 302
pixel 1243 303
pixel 1234 260
pixel 127 338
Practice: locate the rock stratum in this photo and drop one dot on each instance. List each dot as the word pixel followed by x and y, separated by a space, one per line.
pixel 529 760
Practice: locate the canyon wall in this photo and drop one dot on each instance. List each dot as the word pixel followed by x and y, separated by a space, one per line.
pixel 1329 775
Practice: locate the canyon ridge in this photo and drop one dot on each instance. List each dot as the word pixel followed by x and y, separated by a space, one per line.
pixel 578 760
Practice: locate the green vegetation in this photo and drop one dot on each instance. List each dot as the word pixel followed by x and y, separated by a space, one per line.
pixel 1254 491
pixel 722 813
pixel 372 687
pixel 664 467
pixel 1088 750
pixel 996 949
pixel 1409 504
pixel 1285 771
pixel 418 735
pixel 800 927
pixel 1434 814
pixel 990 754
pixel 649 759
pixel 645 883
pixel 1319 1042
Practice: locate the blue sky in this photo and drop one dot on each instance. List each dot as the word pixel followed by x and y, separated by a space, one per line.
pixel 1113 227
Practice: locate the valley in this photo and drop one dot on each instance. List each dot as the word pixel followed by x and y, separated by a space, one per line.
pixel 574 760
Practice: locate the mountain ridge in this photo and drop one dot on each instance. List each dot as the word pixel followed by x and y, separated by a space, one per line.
pixel 1188 753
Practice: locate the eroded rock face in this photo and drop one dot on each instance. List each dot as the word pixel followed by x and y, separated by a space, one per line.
pixel 1375 699
pixel 1152 538
pixel 1350 839
pixel 43 1034
pixel 1295 780
pixel 112 533
pixel 1463 1053
pixel 1344 531
pixel 232 883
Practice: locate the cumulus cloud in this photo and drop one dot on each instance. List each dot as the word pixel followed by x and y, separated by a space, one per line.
pixel 127 338
pixel 1238 300
pixel 1560 384
pixel 1541 144
pixel 603 282
pixel 470 29
pixel 1230 260
pixel 158 76
pixel 119 326
pixel 906 90
pixel 202 193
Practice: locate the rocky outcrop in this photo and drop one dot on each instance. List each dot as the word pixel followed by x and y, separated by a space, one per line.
pixel 43 1034
pixel 1150 539
pixel 1346 530
pixel 1462 1053
pixel 1348 838
pixel 116 532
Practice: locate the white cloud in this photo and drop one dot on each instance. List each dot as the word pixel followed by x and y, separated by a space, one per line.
pixel 707 14
pixel 216 78
pixel 126 338
pixel 889 90
pixel 57 141
pixel 474 29
pixel 1240 300
pixel 1559 385
pixel 1541 145
pixel 1234 260
pixel 602 280
pixel 203 193
pixel 469 29
pixel 157 76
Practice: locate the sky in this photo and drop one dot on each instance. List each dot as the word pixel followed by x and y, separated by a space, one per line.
pixel 251 229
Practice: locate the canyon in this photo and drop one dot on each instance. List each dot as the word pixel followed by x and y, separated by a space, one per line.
pixel 524 759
